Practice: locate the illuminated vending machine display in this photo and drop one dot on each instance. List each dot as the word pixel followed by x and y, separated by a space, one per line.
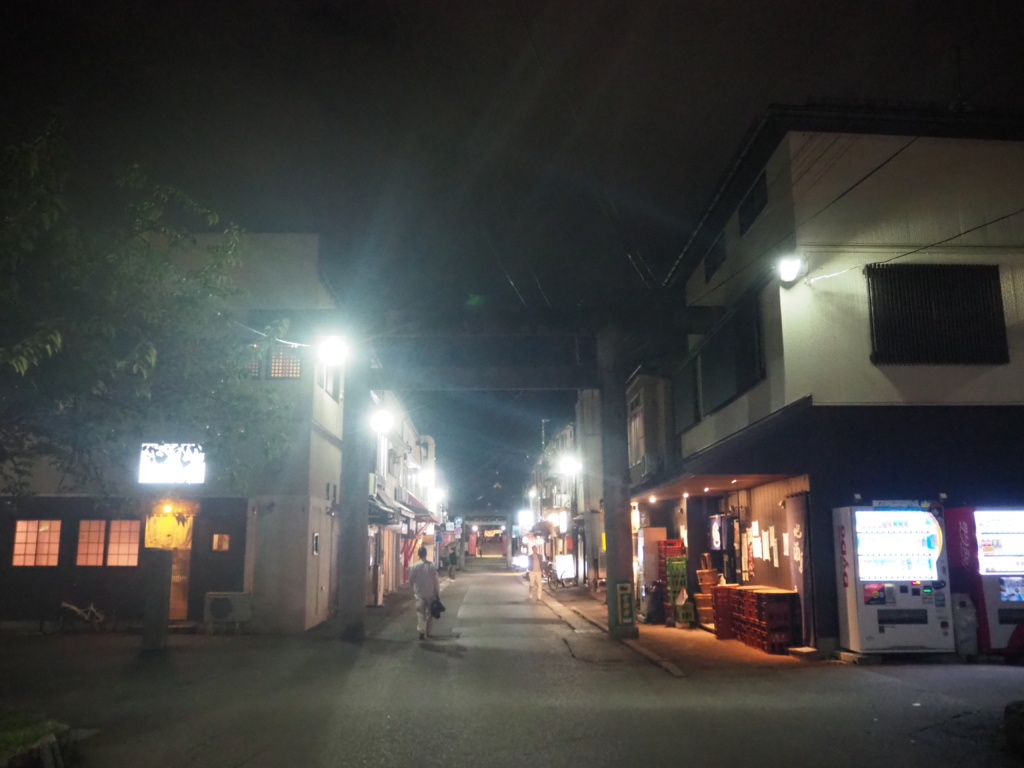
pixel 986 561
pixel 892 577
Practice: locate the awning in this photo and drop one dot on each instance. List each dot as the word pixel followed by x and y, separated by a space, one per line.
pixel 383 510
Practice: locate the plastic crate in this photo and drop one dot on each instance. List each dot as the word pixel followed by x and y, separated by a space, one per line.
pixel 684 614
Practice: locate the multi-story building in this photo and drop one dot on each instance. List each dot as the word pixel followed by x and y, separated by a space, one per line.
pixel 865 269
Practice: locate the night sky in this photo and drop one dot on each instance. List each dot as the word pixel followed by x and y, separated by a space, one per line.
pixel 509 152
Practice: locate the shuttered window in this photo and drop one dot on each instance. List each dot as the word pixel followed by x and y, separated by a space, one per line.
pixel 936 314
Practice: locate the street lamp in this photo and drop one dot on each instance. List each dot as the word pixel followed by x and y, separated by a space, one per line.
pixel 382 421
pixel 568 465
pixel 332 351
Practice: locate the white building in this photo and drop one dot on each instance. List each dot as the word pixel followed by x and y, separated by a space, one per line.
pixel 887 365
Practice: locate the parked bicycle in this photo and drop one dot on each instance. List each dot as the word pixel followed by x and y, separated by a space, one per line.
pixel 551 575
pixel 71 617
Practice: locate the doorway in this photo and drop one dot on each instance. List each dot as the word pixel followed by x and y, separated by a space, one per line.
pixel 180 563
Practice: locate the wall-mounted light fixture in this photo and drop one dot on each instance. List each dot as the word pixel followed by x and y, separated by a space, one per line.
pixel 790 269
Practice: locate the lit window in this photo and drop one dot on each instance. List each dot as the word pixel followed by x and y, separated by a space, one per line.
pixel 285 363
pixel 36 542
pixel 124 542
pixel 254 361
pixel 221 542
pixel 91 534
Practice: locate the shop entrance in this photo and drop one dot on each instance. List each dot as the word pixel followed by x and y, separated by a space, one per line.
pixel 180 562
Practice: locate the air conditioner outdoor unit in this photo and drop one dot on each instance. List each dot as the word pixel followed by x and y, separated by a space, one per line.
pixel 233 607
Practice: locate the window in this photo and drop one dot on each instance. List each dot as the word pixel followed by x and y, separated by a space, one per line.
pixel 636 429
pixel 333 384
pixel 753 203
pixel 285 362
pixel 732 360
pixel 936 314
pixel 254 361
pixel 715 258
pixel 123 548
pixel 221 542
pixel 36 542
pixel 321 375
pixel 92 536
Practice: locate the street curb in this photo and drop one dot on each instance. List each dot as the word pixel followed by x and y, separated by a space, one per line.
pixel 633 645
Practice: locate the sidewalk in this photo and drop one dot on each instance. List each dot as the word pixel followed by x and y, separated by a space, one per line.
pixel 680 652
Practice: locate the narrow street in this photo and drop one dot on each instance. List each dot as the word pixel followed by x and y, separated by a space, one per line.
pixel 504 682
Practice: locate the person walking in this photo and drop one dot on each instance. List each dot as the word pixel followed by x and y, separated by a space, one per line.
pixel 423 577
pixel 453 560
pixel 536 571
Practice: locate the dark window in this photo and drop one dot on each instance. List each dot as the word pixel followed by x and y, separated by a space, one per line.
pixel 936 314
pixel 684 396
pixel 753 203
pixel 254 361
pixel 714 259
pixel 732 360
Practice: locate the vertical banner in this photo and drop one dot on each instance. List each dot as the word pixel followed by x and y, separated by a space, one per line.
pixel 624 603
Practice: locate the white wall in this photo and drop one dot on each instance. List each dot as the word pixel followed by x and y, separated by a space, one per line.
pixel 828 342
pixel 817 336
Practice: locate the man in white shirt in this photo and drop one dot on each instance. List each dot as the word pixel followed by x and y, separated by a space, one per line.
pixel 536 570
pixel 423 577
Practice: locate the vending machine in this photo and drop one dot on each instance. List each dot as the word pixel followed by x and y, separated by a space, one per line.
pixel 892 577
pixel 986 561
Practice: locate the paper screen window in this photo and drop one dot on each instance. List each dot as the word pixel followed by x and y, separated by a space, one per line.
pixel 36 542
pixel 91 534
pixel 124 542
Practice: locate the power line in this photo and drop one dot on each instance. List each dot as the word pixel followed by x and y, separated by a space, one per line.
pixel 813 216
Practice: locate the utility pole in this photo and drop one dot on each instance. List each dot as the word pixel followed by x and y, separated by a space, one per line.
pixel 357 448
pixel 615 460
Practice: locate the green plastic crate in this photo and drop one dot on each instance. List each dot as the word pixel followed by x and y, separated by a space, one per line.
pixel 684 614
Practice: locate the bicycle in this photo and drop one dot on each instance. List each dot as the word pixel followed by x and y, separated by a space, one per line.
pixel 551 574
pixel 71 615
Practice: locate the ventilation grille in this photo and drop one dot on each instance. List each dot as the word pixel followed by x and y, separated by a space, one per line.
pixel 936 314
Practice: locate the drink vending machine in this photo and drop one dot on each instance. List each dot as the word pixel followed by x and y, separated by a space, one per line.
pixel 986 561
pixel 892 580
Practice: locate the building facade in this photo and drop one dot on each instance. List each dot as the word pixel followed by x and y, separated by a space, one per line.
pixel 865 270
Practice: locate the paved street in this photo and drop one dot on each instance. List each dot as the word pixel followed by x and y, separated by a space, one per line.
pixel 506 682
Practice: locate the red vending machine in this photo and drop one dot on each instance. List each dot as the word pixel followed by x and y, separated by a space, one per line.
pixel 986 561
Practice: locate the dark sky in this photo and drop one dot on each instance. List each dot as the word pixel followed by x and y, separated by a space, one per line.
pixel 523 151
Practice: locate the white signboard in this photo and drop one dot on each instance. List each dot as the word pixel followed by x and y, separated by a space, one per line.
pixel 172 464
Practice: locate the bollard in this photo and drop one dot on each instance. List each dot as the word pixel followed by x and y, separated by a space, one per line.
pixel 156 580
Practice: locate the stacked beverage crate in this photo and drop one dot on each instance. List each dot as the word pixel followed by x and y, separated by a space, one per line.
pixel 761 617
pixel 722 598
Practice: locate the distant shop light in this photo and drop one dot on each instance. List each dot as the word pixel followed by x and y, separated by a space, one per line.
pixel 790 268
pixel 686 495
pixel 652 499
pixel 706 490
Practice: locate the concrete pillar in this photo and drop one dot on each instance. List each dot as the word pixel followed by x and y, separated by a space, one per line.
pixel 615 463
pixel 156 607
pixel 357 450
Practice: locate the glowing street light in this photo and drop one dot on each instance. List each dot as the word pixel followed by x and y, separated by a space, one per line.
pixel 568 465
pixel 332 351
pixel 382 421
pixel 532 493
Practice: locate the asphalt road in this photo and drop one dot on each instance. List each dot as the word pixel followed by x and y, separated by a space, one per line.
pixel 506 683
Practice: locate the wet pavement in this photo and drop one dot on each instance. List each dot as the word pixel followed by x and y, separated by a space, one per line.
pixel 504 682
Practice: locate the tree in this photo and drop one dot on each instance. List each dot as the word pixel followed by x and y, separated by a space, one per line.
pixel 107 340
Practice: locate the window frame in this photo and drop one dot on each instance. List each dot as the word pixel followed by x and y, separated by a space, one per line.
pixel 52 543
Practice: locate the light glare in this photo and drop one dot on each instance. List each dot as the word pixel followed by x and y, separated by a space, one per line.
pixel 332 351
pixel 789 268
pixel 382 421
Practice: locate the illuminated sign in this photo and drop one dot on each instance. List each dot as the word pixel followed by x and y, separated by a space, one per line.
pixel 1000 541
pixel 897 545
pixel 172 464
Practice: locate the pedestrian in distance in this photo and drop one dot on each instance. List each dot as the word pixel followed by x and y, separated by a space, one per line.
pixel 425 589
pixel 536 571
pixel 453 560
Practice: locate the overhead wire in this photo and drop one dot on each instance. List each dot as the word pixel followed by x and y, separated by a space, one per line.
pixel 757 257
